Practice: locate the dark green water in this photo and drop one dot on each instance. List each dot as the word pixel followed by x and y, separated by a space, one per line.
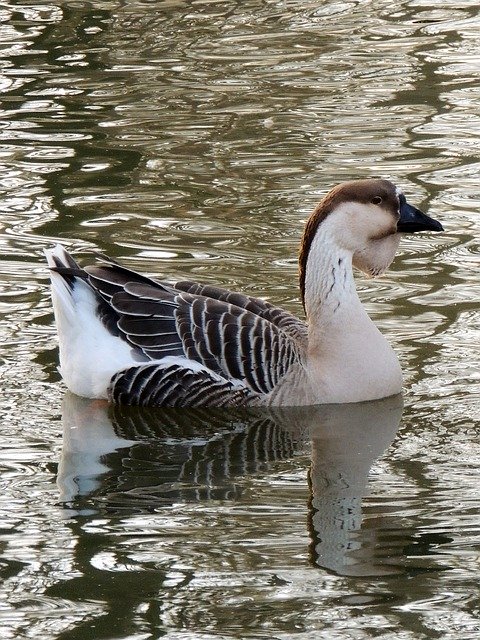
pixel 191 139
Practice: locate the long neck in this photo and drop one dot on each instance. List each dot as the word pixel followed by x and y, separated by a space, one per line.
pixel 347 359
pixel 331 297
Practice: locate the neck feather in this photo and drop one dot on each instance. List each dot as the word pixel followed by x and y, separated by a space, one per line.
pixel 329 282
pixel 309 234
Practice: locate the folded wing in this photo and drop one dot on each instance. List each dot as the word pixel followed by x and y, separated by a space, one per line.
pixel 234 336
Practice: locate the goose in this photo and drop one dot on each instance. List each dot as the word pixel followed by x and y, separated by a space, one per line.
pixel 132 339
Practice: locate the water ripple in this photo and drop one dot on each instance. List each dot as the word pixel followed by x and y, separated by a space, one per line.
pixel 193 139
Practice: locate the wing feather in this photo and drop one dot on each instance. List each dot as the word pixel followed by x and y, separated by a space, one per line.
pixel 284 320
pixel 233 335
pixel 227 339
pixel 171 384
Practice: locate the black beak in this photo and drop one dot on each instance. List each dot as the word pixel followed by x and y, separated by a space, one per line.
pixel 412 219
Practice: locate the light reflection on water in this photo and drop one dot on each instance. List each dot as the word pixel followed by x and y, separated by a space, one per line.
pixel 192 140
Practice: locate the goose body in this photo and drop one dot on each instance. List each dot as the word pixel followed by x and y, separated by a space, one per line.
pixel 136 340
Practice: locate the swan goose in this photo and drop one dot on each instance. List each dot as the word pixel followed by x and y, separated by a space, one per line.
pixel 135 340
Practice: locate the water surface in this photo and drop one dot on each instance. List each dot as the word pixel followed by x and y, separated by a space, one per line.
pixel 191 139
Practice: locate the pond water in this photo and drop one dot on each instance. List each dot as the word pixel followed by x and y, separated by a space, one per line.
pixel 191 139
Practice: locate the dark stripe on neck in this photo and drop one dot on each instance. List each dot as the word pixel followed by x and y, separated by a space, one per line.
pixel 311 227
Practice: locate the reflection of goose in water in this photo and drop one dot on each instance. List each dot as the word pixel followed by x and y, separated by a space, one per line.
pixel 124 458
pixel 345 445
pixel 165 455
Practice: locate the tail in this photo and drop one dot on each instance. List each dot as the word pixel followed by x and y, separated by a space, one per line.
pixel 63 284
pixel 89 353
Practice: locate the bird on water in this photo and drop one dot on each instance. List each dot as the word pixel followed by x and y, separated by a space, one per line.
pixel 136 340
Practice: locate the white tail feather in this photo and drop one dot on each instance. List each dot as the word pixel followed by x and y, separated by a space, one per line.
pixel 89 354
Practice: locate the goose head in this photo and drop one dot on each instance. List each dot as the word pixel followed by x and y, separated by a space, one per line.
pixel 363 220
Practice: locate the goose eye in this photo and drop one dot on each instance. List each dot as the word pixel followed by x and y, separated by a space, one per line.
pixel 377 200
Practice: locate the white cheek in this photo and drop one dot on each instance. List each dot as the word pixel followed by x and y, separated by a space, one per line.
pixel 377 256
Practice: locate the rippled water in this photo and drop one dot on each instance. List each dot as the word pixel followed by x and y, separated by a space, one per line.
pixel 192 139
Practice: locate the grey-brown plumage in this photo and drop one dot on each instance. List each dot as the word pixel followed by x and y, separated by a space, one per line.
pixel 244 345
pixel 174 385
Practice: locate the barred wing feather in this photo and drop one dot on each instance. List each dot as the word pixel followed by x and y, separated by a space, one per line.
pixel 232 334
pixel 111 278
pixel 172 383
pixel 231 341
pixel 285 321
